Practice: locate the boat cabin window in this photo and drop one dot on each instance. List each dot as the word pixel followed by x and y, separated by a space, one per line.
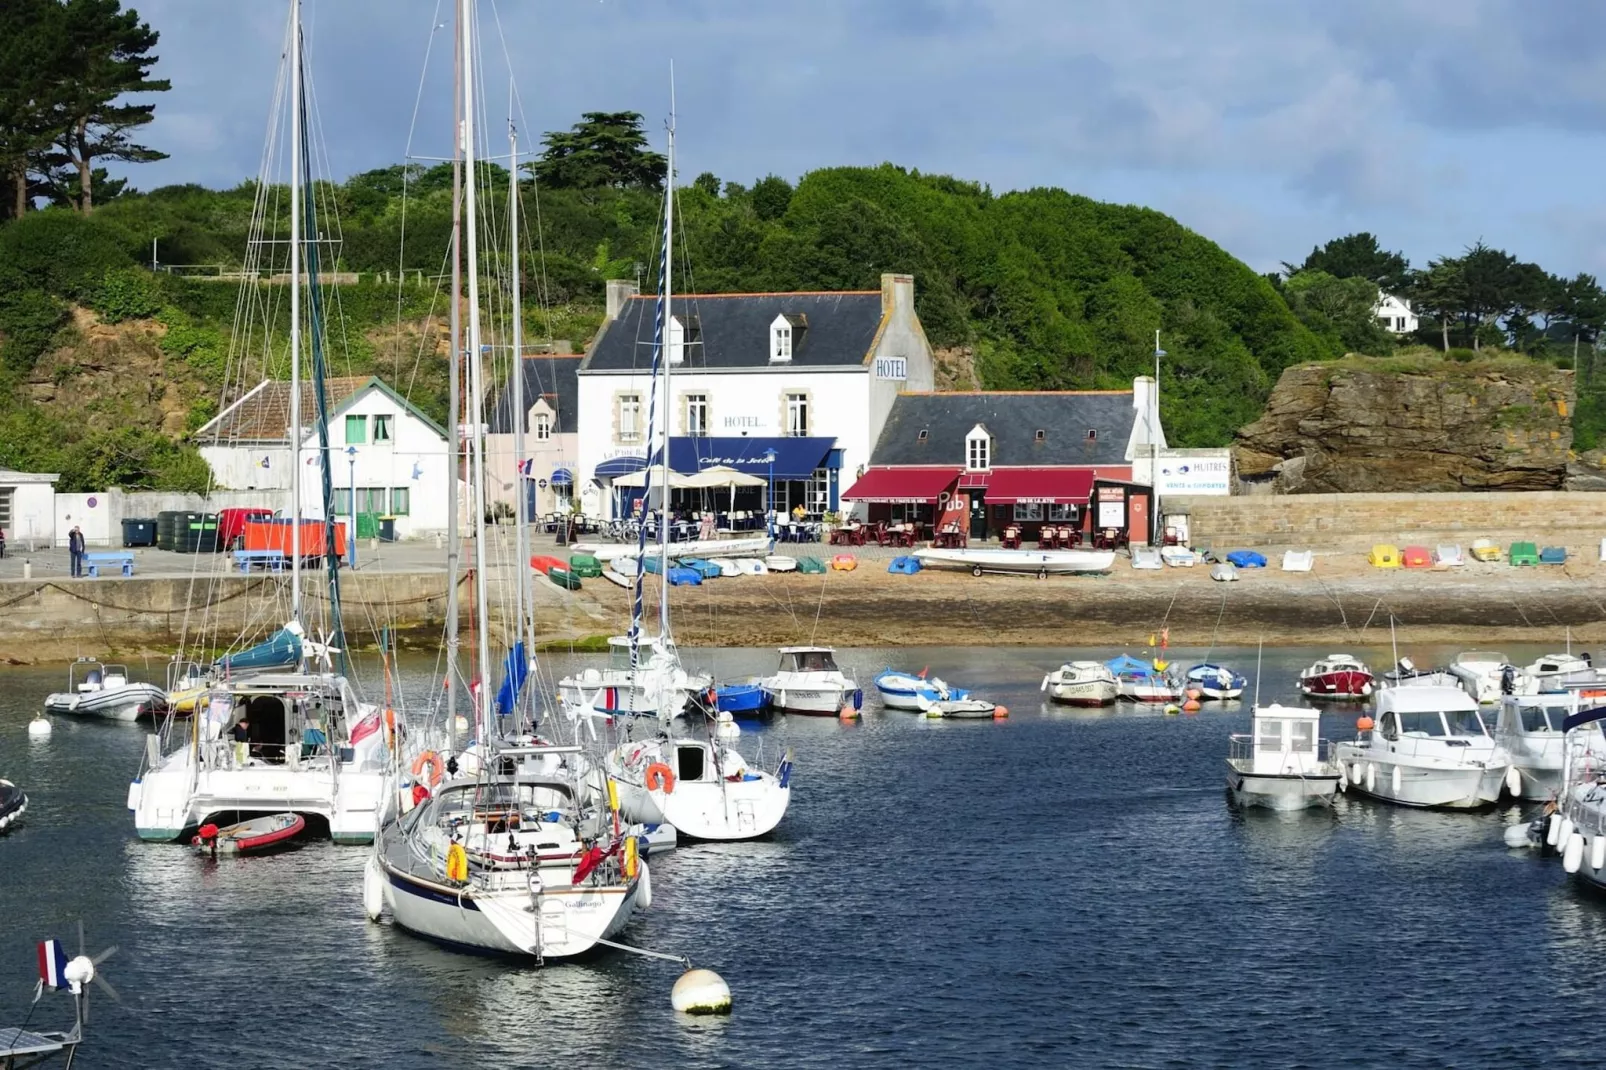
pixel 690 760
pixel 618 655
pixel 1534 719
pixel 1464 723
pixel 1421 723
pixel 1303 736
pixel 1391 725
pixel 1269 734
pixel 809 661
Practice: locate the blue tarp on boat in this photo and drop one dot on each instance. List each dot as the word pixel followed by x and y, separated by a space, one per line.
pixel 905 566
pixel 280 650
pixel 1247 559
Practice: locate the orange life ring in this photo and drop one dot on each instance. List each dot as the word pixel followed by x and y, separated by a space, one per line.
pixel 664 777
pixel 433 761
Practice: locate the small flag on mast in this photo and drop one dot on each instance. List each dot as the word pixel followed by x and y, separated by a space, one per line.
pixel 52 964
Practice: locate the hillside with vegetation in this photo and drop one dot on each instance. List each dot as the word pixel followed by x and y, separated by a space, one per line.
pixel 121 326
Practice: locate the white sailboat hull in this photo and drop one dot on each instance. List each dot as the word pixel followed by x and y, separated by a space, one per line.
pixel 713 808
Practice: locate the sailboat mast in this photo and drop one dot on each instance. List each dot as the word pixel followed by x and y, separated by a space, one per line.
pixel 476 378
pixel 454 403
pixel 522 595
pixel 669 333
pixel 295 311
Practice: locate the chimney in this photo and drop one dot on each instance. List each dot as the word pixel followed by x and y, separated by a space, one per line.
pixel 619 291
pixel 898 294
pixel 1144 402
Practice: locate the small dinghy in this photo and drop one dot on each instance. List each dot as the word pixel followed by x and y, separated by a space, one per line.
pixel 1298 560
pixel 751 567
pixel 1223 572
pixel 1216 681
pixel 962 709
pixel 615 578
pixel 727 567
pixel 1146 557
pixel 780 563
pixel 257 836
pixel 742 699
pixel 12 804
pixel 905 691
pixel 1178 556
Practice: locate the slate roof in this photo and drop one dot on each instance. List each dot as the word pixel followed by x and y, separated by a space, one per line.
pixel 734 330
pixel 1013 420
pixel 548 375
pixel 263 414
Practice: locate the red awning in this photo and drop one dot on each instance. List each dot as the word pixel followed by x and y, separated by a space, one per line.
pixel 902 486
pixel 1047 486
pixel 974 481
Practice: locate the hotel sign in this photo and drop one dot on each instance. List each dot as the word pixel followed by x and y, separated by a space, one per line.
pixel 741 421
pixel 891 368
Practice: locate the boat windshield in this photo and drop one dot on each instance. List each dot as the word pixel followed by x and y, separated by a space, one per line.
pixel 1464 723
pixel 1534 719
pixel 809 661
pixel 1421 723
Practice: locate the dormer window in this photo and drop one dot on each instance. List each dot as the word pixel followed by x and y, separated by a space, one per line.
pixel 684 332
pixel 978 449
pixel 786 334
pixel 923 435
pixel 1092 435
pixel 1040 435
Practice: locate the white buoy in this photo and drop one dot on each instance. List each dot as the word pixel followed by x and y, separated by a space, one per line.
pixel 1394 780
pixel 1564 834
pixel 1516 835
pixel 373 889
pixel 1552 830
pixel 462 723
pixel 1597 852
pixel 701 992
pixel 1514 782
pixel 1371 779
pixel 728 728
pixel 39 727
pixel 1573 857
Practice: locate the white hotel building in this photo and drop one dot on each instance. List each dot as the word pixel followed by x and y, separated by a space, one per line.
pixel 793 387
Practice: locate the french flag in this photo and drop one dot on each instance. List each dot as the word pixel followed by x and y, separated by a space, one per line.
pixel 527 466
pixel 52 964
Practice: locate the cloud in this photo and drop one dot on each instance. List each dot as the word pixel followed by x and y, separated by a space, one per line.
pixel 1382 115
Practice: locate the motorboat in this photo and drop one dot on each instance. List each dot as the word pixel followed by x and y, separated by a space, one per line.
pixel 1481 673
pixel 309 747
pixel 808 681
pixel 13 804
pixel 704 788
pixel 509 862
pixel 1039 563
pixel 1405 671
pixel 98 689
pixel 1144 681
pixel 1216 681
pixel 1557 670
pixel 962 709
pixel 904 691
pixel 647 680
pixel 1282 764
pixel 1529 727
pixel 1577 829
pixel 1428 747
pixel 260 835
pixel 1081 683
pixel 1337 676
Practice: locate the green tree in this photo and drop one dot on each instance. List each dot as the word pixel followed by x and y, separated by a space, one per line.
pixel 708 182
pixel 603 149
pixel 104 55
pixel 1341 309
pixel 771 196
pixel 1437 293
pixel 29 81
pixel 1358 256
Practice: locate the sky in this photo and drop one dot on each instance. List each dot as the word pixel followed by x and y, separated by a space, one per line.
pixel 1267 126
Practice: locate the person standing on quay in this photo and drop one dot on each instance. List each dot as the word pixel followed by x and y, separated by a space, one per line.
pixel 75 547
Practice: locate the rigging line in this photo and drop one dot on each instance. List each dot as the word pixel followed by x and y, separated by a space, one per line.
pixel 819 606
pixel 412 130
pixel 1216 631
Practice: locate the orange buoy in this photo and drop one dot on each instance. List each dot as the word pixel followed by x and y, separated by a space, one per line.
pixel 1191 706
pixel 1195 694
pixel 847 713
pixel 1000 712
pixel 1364 724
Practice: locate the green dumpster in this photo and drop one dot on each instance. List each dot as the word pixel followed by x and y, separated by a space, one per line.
pixel 387 529
pixel 367 526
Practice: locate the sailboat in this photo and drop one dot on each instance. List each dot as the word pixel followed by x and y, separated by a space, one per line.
pixel 699 784
pixel 277 728
pixel 509 854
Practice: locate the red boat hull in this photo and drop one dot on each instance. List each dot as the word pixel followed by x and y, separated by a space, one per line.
pixel 1348 684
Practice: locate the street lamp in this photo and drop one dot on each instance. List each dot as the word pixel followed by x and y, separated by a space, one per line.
pixel 1154 449
pixel 351 540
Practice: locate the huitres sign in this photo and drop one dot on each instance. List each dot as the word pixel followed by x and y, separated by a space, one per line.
pixel 1195 472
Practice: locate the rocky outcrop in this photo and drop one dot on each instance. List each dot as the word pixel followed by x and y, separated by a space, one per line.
pixel 1412 424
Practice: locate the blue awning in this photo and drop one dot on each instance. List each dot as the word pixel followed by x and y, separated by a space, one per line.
pixel 620 466
pixel 795 458
pixel 562 477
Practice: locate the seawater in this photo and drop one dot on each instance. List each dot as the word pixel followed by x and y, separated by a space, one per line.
pixel 1066 888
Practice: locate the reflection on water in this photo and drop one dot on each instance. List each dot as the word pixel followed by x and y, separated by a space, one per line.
pixel 1066 887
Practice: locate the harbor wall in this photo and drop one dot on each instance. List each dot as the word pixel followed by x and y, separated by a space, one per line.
pixel 1574 519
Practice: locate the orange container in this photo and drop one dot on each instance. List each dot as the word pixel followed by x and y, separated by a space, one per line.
pixel 276 535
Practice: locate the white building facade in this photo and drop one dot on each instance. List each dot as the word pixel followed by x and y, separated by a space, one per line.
pixel 794 388
pixel 1395 314
pixel 28 509
pixel 551 438
pixel 386 456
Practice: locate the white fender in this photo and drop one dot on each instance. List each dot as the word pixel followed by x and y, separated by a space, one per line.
pixel 1573 857
pixel 1552 830
pixel 1044 685
pixel 644 886
pixel 1394 780
pixel 1355 773
pixel 1371 779
pixel 1564 833
pixel 373 889
pixel 1514 782
pixel 1597 852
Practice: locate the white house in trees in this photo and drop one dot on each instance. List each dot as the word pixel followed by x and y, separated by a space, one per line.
pixel 384 452
pixel 1395 314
